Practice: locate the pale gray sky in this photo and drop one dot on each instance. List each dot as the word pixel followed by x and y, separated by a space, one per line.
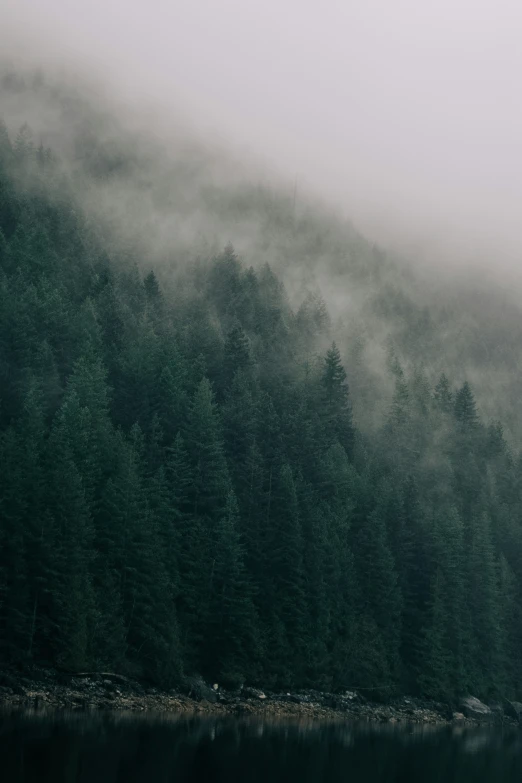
pixel 408 112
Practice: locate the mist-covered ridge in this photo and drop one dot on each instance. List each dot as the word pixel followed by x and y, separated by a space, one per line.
pixel 170 198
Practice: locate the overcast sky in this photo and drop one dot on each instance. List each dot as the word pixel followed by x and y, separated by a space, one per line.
pixel 406 112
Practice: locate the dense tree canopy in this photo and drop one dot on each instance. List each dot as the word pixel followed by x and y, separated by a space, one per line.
pixel 184 488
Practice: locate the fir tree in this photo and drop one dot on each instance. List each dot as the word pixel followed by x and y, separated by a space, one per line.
pixel 465 408
pixel 336 410
pixel 443 395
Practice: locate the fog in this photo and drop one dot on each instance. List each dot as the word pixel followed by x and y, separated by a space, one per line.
pixel 404 114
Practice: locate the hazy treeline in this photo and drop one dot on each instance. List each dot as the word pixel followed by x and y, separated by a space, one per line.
pixel 159 194
pixel 183 487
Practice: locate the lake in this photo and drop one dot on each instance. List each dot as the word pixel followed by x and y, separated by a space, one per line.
pixel 81 747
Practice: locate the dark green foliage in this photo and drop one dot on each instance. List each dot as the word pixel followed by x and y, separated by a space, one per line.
pixel 236 355
pixel 183 487
pixel 465 408
pixel 231 622
pixel 379 583
pixel 335 410
pixel 443 395
pixel 284 595
pixel 434 677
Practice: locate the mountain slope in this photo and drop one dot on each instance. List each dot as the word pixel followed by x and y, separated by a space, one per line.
pixel 195 477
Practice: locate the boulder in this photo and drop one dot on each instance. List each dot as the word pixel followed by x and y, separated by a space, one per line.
pixel 253 693
pixel 117 678
pixel 473 708
pixel 498 712
pixel 513 709
pixel 197 689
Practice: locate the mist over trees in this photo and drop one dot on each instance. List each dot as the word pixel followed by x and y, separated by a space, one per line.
pixel 185 486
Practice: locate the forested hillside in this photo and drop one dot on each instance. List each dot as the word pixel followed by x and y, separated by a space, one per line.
pixel 184 486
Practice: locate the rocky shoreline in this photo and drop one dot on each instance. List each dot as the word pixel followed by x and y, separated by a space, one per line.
pixel 49 689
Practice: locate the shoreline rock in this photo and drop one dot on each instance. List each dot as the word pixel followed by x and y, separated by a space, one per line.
pixel 48 689
pixel 474 709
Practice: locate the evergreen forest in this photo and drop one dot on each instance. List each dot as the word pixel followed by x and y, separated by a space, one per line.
pixel 195 476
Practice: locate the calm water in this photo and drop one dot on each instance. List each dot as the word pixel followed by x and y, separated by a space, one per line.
pixel 79 748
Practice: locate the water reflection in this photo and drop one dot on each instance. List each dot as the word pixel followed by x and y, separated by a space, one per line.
pixel 79 747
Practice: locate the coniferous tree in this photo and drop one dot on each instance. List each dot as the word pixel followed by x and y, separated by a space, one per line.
pixel 434 679
pixel 465 408
pixel 231 621
pixel 443 395
pixel 380 589
pixel 449 563
pixel 485 608
pixel 284 593
pixel 336 410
